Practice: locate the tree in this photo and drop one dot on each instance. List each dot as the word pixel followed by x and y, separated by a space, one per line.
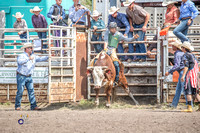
pixel 87 3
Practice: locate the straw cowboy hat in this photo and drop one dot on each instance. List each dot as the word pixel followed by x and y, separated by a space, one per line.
pixel 26 45
pixel 95 13
pixel 128 2
pixel 166 3
pixel 36 9
pixel 18 15
pixel 187 45
pixel 177 44
pixel 113 9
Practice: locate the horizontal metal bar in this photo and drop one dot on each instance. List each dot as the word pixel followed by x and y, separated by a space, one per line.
pixel 136 84
pixel 61 66
pixel 68 75
pixel 63 48
pixel 135 29
pixel 128 54
pixel 61 57
pixel 140 75
pixel 124 94
pixel 101 42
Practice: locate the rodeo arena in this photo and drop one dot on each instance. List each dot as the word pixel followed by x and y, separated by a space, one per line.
pixel 99 66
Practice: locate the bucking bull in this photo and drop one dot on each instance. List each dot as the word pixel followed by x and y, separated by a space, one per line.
pixel 103 73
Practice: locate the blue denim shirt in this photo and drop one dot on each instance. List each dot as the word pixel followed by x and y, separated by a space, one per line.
pixel 178 62
pixel 25 65
pixel 49 14
pixel 99 23
pixel 75 15
pixel 188 9
pixel 121 20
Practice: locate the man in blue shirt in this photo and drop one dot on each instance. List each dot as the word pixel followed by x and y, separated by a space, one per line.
pixel 122 22
pixel 188 12
pixel 26 64
pixel 178 66
pixel 76 12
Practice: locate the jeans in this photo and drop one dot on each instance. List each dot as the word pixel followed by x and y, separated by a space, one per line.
pixel 120 49
pixel 23 36
pixel 130 46
pixel 181 30
pixel 179 89
pixel 140 48
pixel 23 81
pixel 116 64
pixel 98 47
pixel 43 35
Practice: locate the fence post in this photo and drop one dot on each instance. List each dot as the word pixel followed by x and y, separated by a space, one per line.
pixel 158 66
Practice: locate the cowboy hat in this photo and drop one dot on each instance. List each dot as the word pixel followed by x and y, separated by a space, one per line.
pixel 113 9
pixel 26 45
pixel 36 9
pixel 128 2
pixel 166 3
pixel 177 44
pixel 187 45
pixel 18 15
pixel 95 13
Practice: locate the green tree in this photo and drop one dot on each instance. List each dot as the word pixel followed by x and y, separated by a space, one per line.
pixel 87 3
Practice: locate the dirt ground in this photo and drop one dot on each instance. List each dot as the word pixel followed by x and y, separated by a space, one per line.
pixel 86 118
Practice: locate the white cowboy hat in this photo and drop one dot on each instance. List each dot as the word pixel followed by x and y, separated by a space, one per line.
pixel 113 9
pixel 95 13
pixel 166 3
pixel 18 15
pixel 187 45
pixel 128 2
pixel 177 44
pixel 35 9
pixel 26 45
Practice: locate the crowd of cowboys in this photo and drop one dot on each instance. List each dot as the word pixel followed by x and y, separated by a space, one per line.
pixel 136 17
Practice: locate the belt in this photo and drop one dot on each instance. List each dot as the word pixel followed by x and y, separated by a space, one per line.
pixel 97 33
pixel 185 18
pixel 79 22
pixel 24 75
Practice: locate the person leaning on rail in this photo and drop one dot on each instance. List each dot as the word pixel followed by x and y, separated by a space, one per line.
pixel 26 64
pixel 138 18
pixel 97 24
pixel 77 13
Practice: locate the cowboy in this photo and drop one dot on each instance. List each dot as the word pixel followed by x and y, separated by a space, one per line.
pixel 77 13
pixel 122 22
pixel 190 74
pixel 97 24
pixel 39 21
pixel 56 13
pixel 138 18
pixel 112 38
pixel 26 64
pixel 178 66
pixel 20 23
pixel 188 12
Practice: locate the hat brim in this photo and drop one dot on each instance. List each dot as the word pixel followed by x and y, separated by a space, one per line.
pixel 166 4
pixel 32 11
pixel 113 11
pixel 191 48
pixel 18 16
pixel 27 46
pixel 176 45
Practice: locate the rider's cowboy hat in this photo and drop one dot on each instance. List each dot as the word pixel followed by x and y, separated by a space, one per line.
pixel 187 45
pixel 177 44
pixel 113 9
pixel 18 15
pixel 36 9
pixel 95 13
pixel 26 45
pixel 166 3
pixel 128 2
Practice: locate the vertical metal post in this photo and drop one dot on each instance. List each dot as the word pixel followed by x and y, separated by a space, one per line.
pixel 49 80
pixel 27 35
pixel 158 65
pixel 89 52
pixel 61 54
pixel 8 94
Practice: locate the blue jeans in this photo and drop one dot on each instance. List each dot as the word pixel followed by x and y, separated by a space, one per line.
pixel 120 49
pixel 98 47
pixel 23 81
pixel 179 89
pixel 23 36
pixel 43 35
pixel 130 46
pixel 181 30
pixel 140 48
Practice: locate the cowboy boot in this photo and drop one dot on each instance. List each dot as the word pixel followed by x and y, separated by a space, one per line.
pixel 189 109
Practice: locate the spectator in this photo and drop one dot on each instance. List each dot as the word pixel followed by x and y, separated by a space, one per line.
pixel 138 18
pixel 20 23
pixel 39 21
pixel 77 13
pixel 122 22
pixel 97 24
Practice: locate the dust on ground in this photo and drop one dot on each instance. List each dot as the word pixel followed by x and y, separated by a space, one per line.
pixel 85 117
